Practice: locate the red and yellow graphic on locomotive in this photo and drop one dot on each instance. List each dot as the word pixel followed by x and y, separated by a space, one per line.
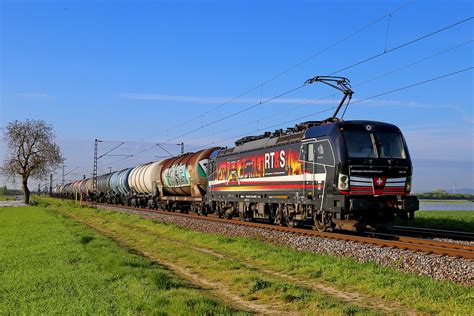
pixel 264 164
pixel 276 169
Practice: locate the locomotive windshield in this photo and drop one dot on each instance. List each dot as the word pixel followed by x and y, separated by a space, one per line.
pixel 364 144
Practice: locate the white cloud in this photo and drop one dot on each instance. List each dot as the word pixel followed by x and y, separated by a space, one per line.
pixel 221 100
pixel 36 96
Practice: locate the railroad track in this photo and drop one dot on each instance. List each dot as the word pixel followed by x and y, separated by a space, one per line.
pixel 433 233
pixel 379 239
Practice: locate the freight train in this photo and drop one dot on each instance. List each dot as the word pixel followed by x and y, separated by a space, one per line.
pixel 329 174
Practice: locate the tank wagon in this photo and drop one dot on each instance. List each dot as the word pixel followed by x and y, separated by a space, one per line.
pixel 175 183
pixel 330 174
pixel 119 186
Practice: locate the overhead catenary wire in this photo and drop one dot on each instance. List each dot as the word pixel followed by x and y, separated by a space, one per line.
pixel 415 62
pixel 239 112
pixel 138 153
pixel 354 102
pixel 420 38
pixel 115 147
pixel 298 64
pixel 414 84
pixel 135 154
pixel 357 85
pixel 348 67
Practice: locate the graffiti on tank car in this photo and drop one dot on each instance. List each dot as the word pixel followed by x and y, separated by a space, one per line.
pixel 203 167
pixel 176 176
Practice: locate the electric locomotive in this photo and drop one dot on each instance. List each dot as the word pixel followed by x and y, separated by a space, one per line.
pixel 331 173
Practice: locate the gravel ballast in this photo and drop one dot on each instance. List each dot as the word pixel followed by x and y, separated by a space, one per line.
pixel 459 270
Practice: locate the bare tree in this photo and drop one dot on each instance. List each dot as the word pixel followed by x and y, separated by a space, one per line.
pixel 32 151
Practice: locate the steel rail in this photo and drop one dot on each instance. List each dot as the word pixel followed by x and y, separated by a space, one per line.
pixel 401 242
pixel 436 233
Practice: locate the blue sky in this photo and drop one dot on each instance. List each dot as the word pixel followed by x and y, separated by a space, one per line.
pixel 138 71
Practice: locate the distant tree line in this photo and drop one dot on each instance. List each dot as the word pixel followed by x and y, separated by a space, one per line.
pixel 443 195
pixel 8 192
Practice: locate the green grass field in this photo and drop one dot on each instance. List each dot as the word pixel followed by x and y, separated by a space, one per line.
pixel 280 277
pixel 447 220
pixel 50 264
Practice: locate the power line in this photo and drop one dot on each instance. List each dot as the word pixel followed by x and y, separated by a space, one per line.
pixel 415 63
pixel 414 85
pixel 138 153
pixel 404 45
pixel 298 64
pixel 358 85
pixel 165 150
pixel 240 111
pixel 333 73
pixel 103 155
pixel 358 101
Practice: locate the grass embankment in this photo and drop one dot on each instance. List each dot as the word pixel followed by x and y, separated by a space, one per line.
pixel 283 278
pixel 50 264
pixel 445 201
pixel 447 220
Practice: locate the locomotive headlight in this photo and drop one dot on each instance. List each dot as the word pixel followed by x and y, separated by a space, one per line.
pixel 408 186
pixel 343 183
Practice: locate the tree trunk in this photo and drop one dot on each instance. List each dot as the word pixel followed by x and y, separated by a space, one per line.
pixel 26 191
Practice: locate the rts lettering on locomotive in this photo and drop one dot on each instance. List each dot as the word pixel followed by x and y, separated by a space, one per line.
pixel 330 174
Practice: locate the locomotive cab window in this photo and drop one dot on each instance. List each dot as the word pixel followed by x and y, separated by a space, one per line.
pixel 391 145
pixel 324 153
pixel 310 152
pixel 374 144
pixel 360 144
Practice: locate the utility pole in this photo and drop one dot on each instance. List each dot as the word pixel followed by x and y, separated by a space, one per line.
pixel 51 184
pixel 62 181
pixel 182 147
pixel 94 174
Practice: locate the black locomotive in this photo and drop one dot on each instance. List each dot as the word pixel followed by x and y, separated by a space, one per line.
pixel 344 173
